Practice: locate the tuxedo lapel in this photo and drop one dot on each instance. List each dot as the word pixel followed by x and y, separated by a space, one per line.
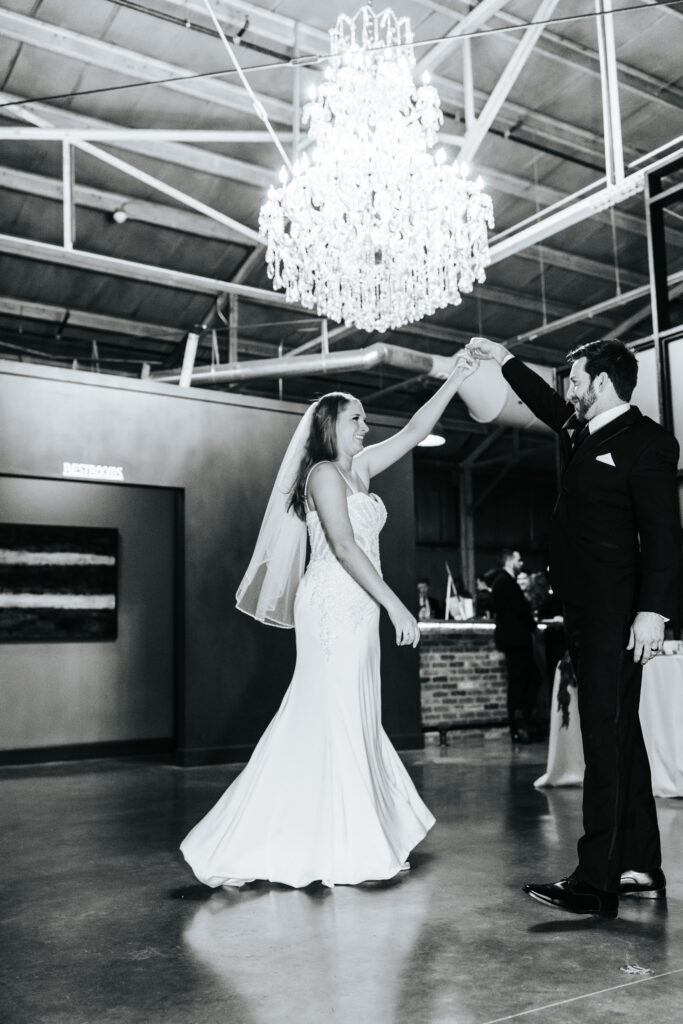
pixel 606 434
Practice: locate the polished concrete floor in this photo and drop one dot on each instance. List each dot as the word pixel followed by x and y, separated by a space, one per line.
pixel 103 924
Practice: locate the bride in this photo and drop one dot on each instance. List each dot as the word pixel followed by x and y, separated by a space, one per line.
pixel 325 796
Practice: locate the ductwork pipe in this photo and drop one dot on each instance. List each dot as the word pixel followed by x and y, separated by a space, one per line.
pixel 331 362
pixel 490 399
pixel 487 395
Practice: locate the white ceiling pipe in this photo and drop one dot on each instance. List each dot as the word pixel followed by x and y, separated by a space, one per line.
pixel 487 395
pixel 334 362
pixel 490 399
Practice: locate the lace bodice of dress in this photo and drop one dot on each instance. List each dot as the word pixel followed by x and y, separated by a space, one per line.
pixel 342 605
pixel 367 514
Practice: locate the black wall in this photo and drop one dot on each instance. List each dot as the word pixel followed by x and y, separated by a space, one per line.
pixel 222 451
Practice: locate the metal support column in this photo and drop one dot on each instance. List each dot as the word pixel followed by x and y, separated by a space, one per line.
pixel 296 98
pixel 189 358
pixel 657 197
pixel 467 529
pixel 68 195
pixel 611 114
pixel 233 320
pixel 468 84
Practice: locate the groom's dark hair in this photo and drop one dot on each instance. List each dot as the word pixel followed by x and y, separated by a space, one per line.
pixel 612 358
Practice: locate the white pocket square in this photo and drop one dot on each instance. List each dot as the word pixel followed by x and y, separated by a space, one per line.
pixel 607 459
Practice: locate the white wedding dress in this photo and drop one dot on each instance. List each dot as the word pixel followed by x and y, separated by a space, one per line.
pixel 324 796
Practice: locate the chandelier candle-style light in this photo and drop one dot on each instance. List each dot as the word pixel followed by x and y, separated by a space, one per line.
pixel 372 229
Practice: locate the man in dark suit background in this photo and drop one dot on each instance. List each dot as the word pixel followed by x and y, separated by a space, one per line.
pixel 513 636
pixel 614 556
pixel 428 607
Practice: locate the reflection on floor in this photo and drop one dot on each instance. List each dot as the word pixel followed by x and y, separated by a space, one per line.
pixel 103 924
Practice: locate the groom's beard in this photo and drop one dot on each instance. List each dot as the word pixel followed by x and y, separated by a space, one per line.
pixel 583 404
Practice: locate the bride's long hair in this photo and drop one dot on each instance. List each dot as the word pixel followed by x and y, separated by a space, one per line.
pixel 321 445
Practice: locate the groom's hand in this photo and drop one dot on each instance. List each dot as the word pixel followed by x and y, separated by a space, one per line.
pixel 482 348
pixel 646 638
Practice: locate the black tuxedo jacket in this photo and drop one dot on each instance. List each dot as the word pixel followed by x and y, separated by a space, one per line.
pixel 514 619
pixel 615 529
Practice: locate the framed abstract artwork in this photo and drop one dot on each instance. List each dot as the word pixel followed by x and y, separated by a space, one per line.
pixel 57 583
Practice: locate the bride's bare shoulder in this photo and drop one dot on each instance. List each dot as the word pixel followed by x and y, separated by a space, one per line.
pixel 322 472
pixel 324 479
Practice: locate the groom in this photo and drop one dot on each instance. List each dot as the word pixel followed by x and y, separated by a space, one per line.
pixel 614 551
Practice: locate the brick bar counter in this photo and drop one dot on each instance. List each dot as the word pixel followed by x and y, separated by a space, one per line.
pixel 463 679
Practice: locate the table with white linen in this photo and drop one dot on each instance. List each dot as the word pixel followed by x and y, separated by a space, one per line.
pixel 661 718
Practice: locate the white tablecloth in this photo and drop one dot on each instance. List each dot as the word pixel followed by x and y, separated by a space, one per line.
pixel 661 717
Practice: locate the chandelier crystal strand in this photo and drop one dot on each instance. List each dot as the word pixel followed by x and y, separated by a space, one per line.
pixel 373 229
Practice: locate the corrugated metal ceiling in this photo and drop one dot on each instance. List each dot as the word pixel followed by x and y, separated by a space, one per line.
pixel 545 143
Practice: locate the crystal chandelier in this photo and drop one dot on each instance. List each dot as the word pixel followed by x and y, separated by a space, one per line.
pixel 372 229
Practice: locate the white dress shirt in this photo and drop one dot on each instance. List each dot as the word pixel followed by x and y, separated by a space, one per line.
pixel 603 418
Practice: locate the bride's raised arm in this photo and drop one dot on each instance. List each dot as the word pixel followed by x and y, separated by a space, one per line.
pixel 378 457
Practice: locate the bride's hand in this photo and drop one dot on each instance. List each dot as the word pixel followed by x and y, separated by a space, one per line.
pixel 405 624
pixel 464 364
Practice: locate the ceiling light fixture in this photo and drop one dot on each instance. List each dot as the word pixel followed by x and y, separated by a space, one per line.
pixel 372 229
pixel 119 216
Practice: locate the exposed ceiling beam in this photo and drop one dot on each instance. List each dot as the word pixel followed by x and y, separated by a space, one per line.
pixel 164 276
pixel 89 321
pixel 580 265
pixel 176 219
pixel 255 258
pixel 167 277
pixel 475 19
pixel 211 212
pixel 155 183
pixel 476 135
pixel 236 170
pixel 278 28
pixel 176 153
pixel 82 47
pixel 592 312
pixel 264 23
pixel 672 11
pixel 114 134
pixel 132 64
pixel 226 167
pixel 161 215
pixel 545 195
pixel 582 58
pixel 641 314
pixel 516 300
pixel 570 215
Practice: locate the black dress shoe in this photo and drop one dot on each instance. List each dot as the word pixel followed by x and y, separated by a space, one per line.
pixel 574 896
pixel 646 886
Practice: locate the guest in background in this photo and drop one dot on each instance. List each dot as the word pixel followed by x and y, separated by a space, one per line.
pixel 535 592
pixel 515 627
pixel 523 581
pixel 428 607
pixel 483 601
